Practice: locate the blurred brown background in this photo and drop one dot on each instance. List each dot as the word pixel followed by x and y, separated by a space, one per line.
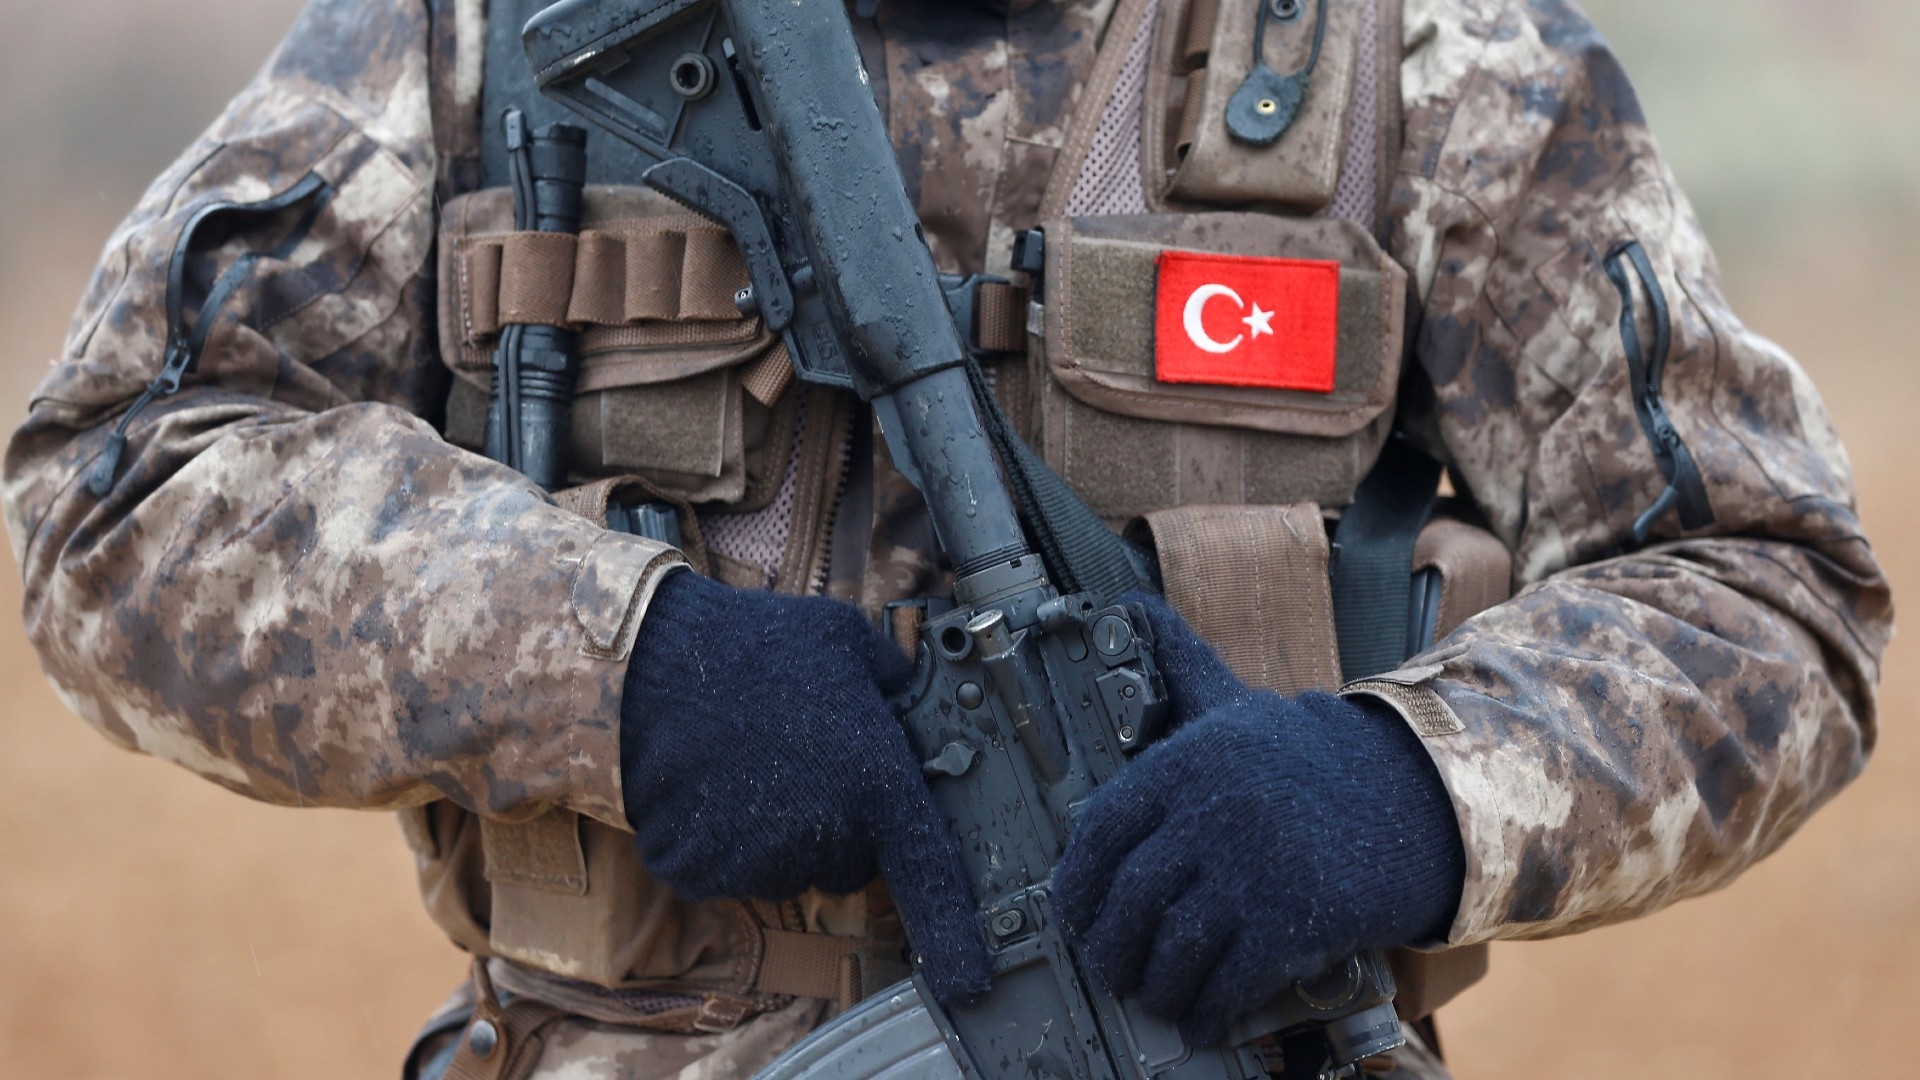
pixel 152 925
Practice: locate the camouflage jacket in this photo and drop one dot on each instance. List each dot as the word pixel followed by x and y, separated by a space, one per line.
pixel 297 589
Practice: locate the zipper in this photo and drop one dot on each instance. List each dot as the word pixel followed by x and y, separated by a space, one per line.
pixel 841 462
pixel 1686 491
pixel 183 345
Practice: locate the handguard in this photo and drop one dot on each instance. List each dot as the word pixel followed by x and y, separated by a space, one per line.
pixel 760 115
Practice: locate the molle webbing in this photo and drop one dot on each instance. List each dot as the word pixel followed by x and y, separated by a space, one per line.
pixel 608 282
pixel 1000 317
pixel 610 275
pixel 821 966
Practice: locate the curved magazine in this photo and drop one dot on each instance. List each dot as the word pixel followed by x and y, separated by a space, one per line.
pixel 890 1036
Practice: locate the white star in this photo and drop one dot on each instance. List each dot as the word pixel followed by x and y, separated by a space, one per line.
pixel 1260 322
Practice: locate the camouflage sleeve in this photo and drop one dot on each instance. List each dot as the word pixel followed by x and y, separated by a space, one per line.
pixel 293 586
pixel 1643 720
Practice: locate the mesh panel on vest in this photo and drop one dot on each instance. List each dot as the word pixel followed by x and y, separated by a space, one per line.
pixel 1109 180
pixel 1353 197
pixel 760 537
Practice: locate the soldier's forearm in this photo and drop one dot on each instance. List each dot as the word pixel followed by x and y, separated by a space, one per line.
pixel 1641 730
pixel 335 609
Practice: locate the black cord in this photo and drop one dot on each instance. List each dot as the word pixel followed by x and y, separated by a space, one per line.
pixel 1319 37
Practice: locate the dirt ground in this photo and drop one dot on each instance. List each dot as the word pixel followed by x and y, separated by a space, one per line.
pixel 152 925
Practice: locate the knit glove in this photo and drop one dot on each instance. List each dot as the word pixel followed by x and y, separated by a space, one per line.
pixel 761 759
pixel 1264 840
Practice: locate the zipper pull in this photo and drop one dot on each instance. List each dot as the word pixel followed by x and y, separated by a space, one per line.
pixel 1685 489
pixel 183 348
pixel 165 384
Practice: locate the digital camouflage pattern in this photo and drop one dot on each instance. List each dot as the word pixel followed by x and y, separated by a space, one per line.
pixel 296 589
pixel 985 101
pixel 1635 726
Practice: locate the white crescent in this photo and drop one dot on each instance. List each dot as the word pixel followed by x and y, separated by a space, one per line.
pixel 1197 331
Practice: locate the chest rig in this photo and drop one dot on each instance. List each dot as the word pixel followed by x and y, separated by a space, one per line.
pixel 1064 156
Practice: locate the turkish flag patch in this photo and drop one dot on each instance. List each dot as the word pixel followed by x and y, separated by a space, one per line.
pixel 1232 320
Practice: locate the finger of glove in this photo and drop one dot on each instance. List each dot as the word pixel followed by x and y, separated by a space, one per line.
pixel 1192 940
pixel 1117 820
pixel 1243 982
pixel 920 859
pixel 1151 881
pixel 1197 679
pixel 767 865
pixel 892 669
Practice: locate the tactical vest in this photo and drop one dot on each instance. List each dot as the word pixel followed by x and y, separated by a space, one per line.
pixel 684 399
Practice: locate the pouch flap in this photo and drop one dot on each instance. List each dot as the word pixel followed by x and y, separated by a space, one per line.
pixel 1102 291
pixel 543 853
pixel 591 501
pixel 1252 580
pixel 1425 981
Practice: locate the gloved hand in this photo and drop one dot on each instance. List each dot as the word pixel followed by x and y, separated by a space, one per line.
pixel 760 759
pixel 1262 841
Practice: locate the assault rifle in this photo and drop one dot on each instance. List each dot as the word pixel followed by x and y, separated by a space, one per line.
pixel 1036 687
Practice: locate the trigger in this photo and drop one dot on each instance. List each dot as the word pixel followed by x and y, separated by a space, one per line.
pixel 956 760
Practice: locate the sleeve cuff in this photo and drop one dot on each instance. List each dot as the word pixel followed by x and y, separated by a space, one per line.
pixel 1409 693
pixel 613 589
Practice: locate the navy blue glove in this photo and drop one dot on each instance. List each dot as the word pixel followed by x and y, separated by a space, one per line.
pixel 761 759
pixel 1262 841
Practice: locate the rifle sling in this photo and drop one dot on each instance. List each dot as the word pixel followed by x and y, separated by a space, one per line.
pixel 1375 541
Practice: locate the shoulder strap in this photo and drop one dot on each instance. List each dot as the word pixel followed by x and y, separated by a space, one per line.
pixel 1081 553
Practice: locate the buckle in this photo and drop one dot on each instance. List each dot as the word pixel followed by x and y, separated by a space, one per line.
pixel 721 1013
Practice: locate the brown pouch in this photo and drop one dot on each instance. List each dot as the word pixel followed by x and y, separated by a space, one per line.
pixel 675 384
pixel 1207 49
pixel 1475 571
pixel 567 895
pixel 1131 444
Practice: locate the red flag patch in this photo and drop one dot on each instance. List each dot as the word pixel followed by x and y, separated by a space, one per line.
pixel 1232 320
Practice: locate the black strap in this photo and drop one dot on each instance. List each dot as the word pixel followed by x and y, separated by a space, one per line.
pixel 1375 539
pixel 1081 553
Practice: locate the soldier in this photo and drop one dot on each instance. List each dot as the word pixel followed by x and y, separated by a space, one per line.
pixel 651 801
